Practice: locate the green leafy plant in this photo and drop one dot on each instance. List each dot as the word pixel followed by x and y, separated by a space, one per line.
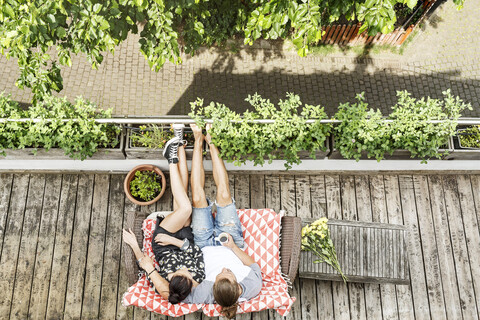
pixel 239 138
pixel 146 185
pixel 73 127
pixel 410 126
pixel 470 137
pixel 316 238
pixel 166 27
pixel 151 136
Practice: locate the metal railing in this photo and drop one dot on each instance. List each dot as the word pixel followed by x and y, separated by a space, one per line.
pixel 174 119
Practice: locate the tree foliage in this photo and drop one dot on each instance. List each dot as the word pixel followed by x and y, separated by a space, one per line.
pixel 28 28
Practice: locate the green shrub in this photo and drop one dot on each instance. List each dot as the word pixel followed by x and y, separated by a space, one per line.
pixel 240 139
pixel 146 185
pixel 79 137
pixel 410 127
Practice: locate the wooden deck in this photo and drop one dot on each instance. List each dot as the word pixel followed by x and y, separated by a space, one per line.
pixel 61 256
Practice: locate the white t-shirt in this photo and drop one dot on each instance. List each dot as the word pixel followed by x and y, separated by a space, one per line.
pixel 218 257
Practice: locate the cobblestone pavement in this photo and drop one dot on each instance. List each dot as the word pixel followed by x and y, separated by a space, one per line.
pixel 445 54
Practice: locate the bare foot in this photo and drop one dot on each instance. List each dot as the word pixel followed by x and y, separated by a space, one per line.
pixel 197 132
pixel 208 137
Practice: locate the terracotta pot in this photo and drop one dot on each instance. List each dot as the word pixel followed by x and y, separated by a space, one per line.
pixel 131 175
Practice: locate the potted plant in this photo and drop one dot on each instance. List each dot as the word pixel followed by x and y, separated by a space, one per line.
pixel 466 144
pixel 72 133
pixel 147 142
pixel 145 184
pixel 409 133
pixel 289 136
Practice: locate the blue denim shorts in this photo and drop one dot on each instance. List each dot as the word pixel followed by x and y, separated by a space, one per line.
pixel 206 228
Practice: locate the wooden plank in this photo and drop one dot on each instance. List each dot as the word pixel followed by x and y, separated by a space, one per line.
pixel 123 285
pixel 11 240
pixel 414 245
pixel 113 242
pixel 460 249
pixel 429 248
pixel 319 209
pixel 61 251
pixel 257 191
pixel 242 191
pixel 272 192
pixel 6 182
pixel 287 196
pixel 96 246
pixel 364 211
pixel 445 253
pixel 340 299
pixel 303 208
pixel 45 248
pixel 475 180
pixel 28 246
pixel 76 270
pixel 394 210
pixel 471 226
pixel 356 291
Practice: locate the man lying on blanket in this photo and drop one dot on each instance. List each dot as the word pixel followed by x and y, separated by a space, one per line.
pixel 231 275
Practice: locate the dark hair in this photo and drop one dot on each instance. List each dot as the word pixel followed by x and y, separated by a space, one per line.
pixel 226 294
pixel 179 289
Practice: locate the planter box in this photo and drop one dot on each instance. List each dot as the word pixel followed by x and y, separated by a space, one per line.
pixel 399 154
pixel 463 153
pixel 59 154
pixel 132 152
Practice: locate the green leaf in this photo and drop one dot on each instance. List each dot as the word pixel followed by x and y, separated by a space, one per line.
pixel 61 32
pixel 7 9
pixel 411 3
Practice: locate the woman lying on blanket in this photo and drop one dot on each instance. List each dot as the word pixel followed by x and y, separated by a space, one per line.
pixel 181 261
pixel 231 275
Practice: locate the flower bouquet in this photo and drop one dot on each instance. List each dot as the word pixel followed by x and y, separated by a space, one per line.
pixel 316 238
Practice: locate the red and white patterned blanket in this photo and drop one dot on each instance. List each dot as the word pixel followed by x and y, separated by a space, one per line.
pixel 261 231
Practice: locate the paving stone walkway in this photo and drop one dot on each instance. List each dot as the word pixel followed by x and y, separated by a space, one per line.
pixel 445 54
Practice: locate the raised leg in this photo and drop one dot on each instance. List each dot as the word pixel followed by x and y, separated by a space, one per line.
pixel 220 175
pixel 181 216
pixel 183 169
pixel 197 176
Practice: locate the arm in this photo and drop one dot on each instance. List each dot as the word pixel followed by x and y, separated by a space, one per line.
pixel 146 263
pixel 245 258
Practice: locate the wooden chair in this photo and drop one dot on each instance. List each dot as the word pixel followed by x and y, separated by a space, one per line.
pixel 289 250
pixel 367 252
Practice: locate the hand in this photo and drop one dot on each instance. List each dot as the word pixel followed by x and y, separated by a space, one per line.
pixel 230 243
pixel 146 263
pixel 164 239
pixel 130 238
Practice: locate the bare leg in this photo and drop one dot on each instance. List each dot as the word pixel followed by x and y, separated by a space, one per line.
pixel 176 220
pixel 183 169
pixel 224 197
pixel 197 175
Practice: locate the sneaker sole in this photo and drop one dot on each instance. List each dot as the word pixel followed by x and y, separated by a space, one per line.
pixel 169 142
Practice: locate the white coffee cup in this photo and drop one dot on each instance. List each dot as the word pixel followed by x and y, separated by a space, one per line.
pixel 222 238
